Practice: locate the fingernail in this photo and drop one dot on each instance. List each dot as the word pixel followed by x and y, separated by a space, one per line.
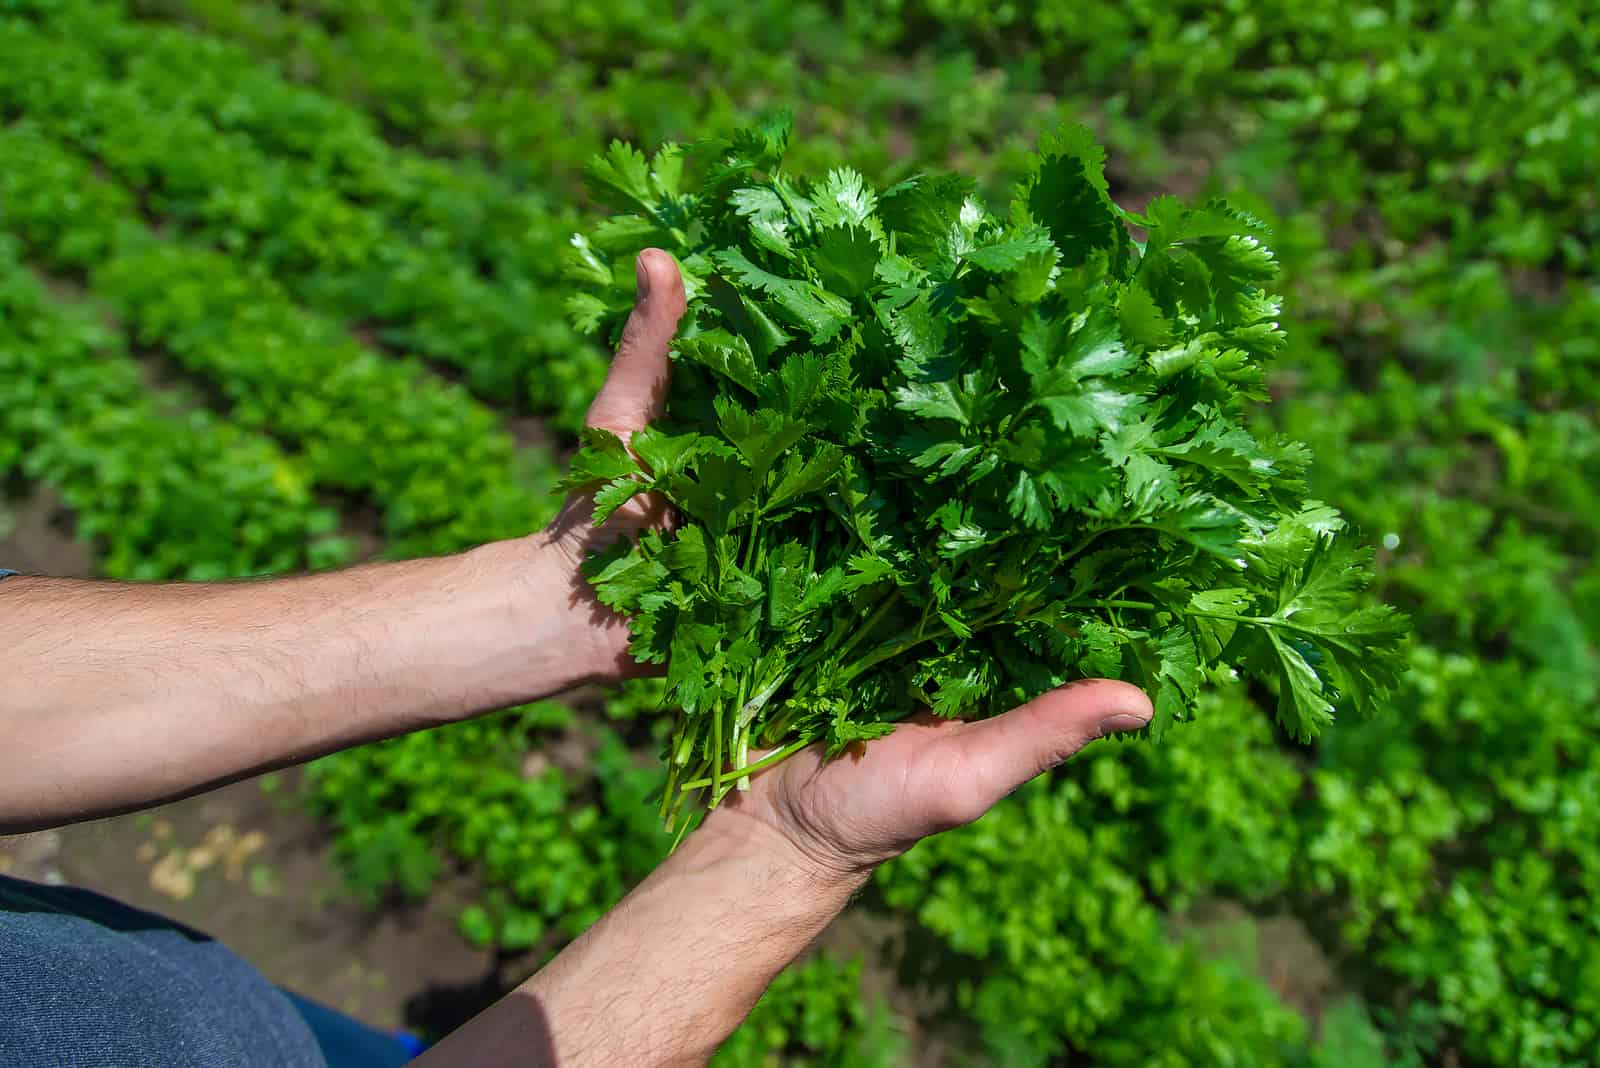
pixel 644 278
pixel 1122 721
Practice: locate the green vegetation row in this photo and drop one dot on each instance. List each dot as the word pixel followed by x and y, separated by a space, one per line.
pixel 1471 121
pixel 1395 153
pixel 415 249
pixel 539 87
pixel 164 494
pixel 1479 117
pixel 443 469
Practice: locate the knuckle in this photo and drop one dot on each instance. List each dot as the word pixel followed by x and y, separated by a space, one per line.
pixel 1067 746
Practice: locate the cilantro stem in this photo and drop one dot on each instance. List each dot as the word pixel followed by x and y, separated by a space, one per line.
pixel 765 762
pixel 812 659
pixel 682 747
pixel 669 793
pixel 1264 621
pixel 741 724
pixel 716 748
pixel 779 725
pixel 742 754
pixel 1146 606
pixel 683 744
pixel 883 652
pixel 748 710
pixel 871 622
pixel 1090 540
pixel 750 546
pixel 893 647
pixel 677 839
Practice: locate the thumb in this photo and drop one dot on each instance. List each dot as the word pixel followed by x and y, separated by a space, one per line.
pixel 635 389
pixel 1012 748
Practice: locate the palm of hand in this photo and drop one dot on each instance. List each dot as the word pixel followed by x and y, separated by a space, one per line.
pixel 869 804
pixel 633 396
pixel 853 812
pixel 575 537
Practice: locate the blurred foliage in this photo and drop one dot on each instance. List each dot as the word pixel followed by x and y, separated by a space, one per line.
pixel 311 215
pixel 166 495
pixel 1044 902
pixel 485 793
pixel 815 1013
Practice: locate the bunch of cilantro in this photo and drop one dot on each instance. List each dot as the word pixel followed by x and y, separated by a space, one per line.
pixel 925 455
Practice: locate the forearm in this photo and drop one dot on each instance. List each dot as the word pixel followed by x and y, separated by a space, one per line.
pixel 120 695
pixel 668 974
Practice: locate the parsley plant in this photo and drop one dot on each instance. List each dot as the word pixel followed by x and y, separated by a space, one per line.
pixel 928 455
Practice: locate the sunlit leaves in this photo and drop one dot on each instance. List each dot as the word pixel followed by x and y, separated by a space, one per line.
pixel 936 457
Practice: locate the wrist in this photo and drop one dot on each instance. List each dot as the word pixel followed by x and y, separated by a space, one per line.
pixel 731 834
pixel 564 635
pixel 666 976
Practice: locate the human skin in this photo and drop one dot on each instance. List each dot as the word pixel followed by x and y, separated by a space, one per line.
pixel 118 696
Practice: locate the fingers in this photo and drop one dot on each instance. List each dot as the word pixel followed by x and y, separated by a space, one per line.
pixel 635 390
pixel 1010 749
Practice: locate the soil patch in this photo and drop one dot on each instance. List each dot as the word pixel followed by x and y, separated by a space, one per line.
pixel 1277 948
pixel 37 537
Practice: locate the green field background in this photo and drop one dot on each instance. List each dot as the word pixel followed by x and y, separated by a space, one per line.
pixel 281 287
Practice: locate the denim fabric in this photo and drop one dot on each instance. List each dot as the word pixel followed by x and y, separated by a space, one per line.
pixel 94 983
pixel 347 1044
pixel 90 982
pixel 4 572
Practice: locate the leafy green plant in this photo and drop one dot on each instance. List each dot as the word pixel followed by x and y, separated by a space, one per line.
pixel 444 470
pixel 928 455
pixel 157 494
pixel 344 221
pixel 816 1013
pixel 1056 949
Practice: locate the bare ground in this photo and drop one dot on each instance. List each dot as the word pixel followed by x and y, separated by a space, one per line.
pixel 36 537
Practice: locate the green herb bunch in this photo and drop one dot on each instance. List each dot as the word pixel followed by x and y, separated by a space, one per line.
pixel 925 455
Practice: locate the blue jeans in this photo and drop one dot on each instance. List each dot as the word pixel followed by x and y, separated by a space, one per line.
pixel 90 982
pixel 347 1042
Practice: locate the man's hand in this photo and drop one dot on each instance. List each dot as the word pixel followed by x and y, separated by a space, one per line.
pixel 845 816
pixel 665 977
pixel 633 396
